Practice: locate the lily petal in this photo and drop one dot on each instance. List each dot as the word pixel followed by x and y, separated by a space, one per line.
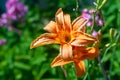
pixel 58 61
pixel 83 29
pixel 80 42
pixel 82 39
pixel 80 68
pixel 66 51
pixel 90 53
pixel 44 39
pixel 79 24
pixel 60 19
pixel 51 27
pixel 77 52
pixel 67 22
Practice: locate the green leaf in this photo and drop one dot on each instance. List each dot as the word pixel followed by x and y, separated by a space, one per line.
pixel 22 65
pixel 43 69
pixel 109 20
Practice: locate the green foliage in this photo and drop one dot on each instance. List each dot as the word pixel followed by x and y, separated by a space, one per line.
pixel 18 62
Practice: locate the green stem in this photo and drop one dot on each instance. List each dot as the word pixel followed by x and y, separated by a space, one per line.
pixel 102 68
pixel 77 6
pixel 64 71
pixel 115 40
pixel 99 59
pixel 88 69
pixel 85 76
pixel 93 22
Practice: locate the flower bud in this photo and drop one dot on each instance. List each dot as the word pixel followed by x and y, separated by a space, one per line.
pixel 112 31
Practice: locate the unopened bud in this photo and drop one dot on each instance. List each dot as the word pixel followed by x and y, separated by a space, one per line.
pixel 98 1
pixel 95 4
pixel 97 43
pixel 112 31
pixel 107 45
pixel 99 35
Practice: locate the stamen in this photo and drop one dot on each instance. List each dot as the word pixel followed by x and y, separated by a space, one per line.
pixel 67 38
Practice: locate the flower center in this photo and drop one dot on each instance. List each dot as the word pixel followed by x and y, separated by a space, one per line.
pixel 65 37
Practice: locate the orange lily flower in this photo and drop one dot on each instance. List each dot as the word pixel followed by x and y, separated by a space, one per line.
pixel 80 53
pixel 72 39
pixel 65 33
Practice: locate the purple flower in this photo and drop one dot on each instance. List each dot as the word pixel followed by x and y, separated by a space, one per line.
pixel 100 22
pixel 3 41
pixel 94 33
pixel 88 15
pixel 10 27
pixel 91 11
pixel 3 19
pixel 89 23
pixel 85 10
pixel 15 11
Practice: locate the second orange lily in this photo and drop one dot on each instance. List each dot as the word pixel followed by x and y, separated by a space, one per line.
pixel 80 54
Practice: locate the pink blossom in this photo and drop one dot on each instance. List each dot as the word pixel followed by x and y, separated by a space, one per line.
pixel 94 33
pixel 100 22
pixel 88 15
pixel 15 11
pixel 3 41
pixel 89 23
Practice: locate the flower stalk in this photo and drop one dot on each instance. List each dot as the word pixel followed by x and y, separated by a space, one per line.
pixel 103 3
pixel 98 8
pixel 102 68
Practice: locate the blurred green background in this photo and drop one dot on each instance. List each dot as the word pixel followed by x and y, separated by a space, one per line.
pixel 18 62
